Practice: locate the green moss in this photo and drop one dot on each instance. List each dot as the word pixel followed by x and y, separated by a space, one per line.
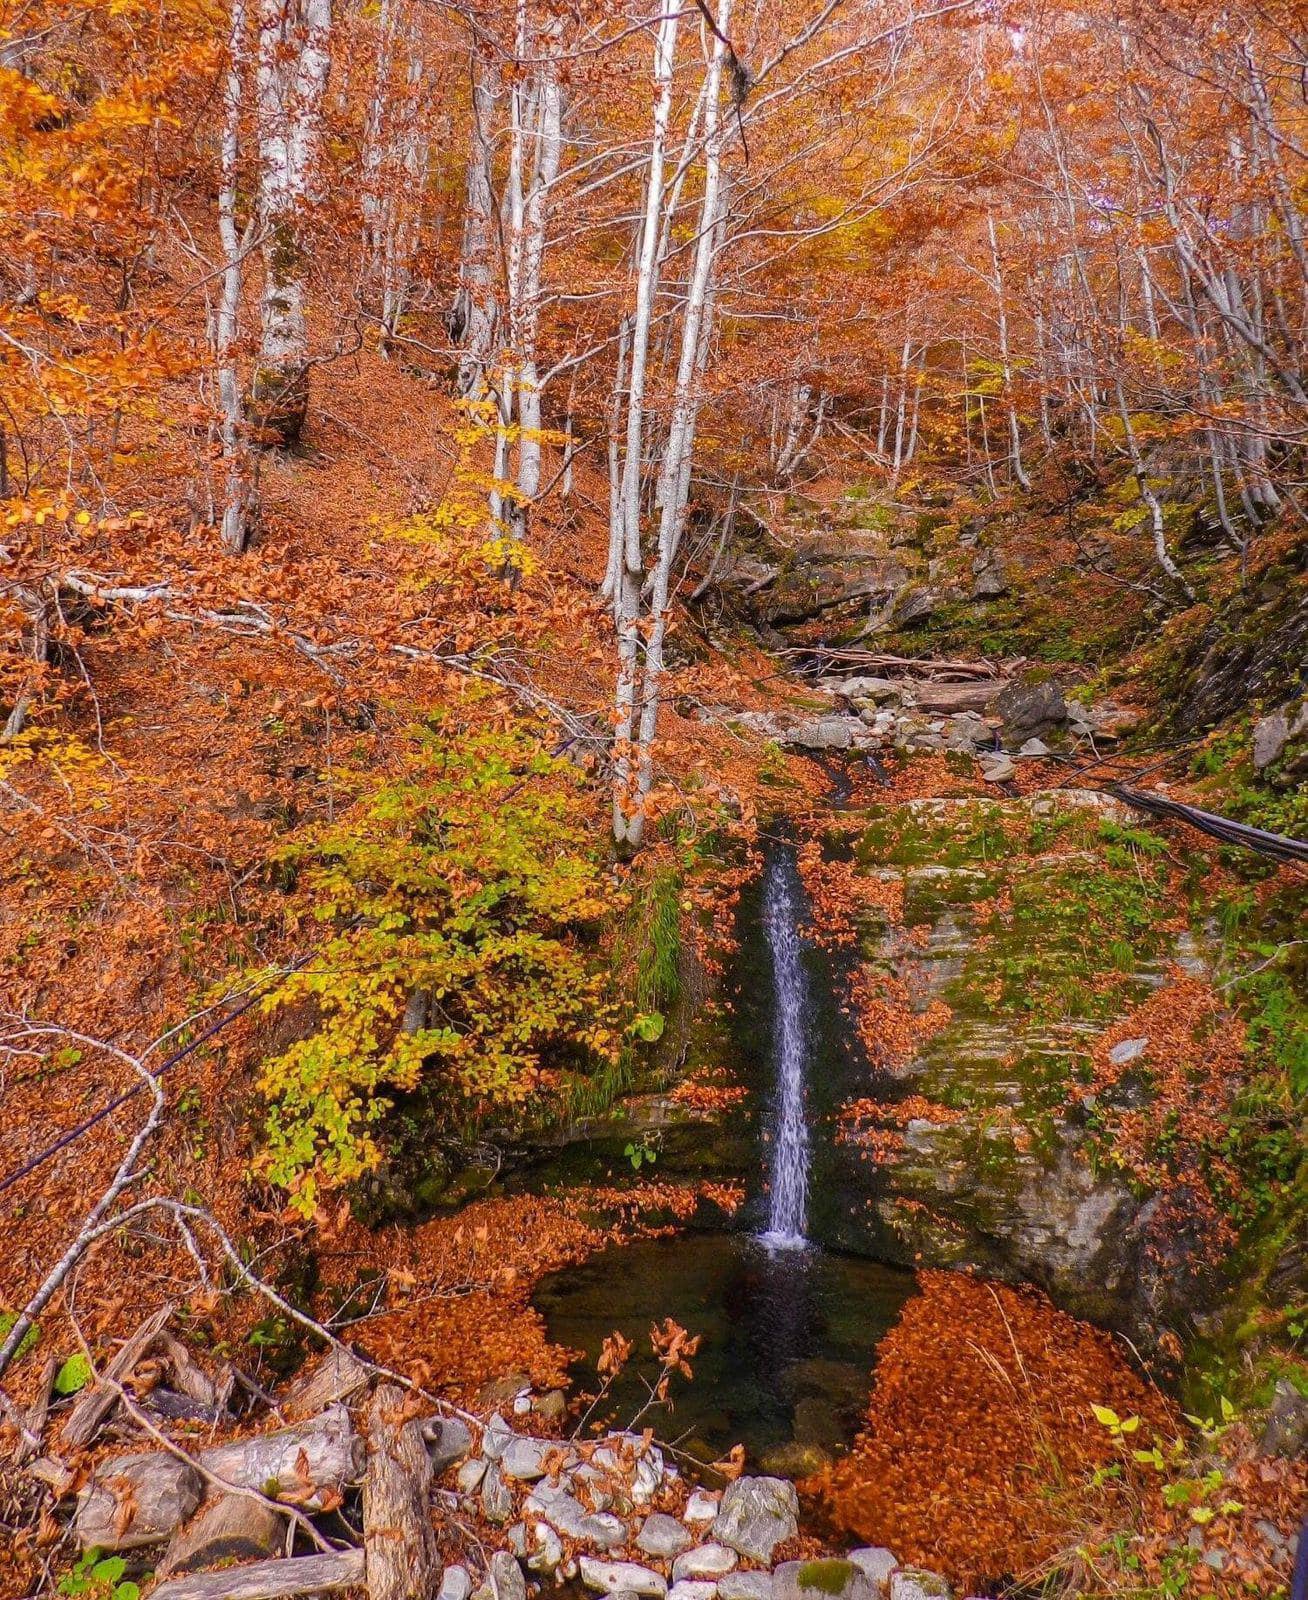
pixel 827 1577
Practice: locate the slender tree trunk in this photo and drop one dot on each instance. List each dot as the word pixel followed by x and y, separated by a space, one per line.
pixel 476 309
pixel 236 507
pixel 294 59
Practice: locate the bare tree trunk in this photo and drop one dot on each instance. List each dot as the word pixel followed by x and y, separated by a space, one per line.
pixel 612 573
pixel 236 507
pixel 294 59
pixel 1151 500
pixel 476 311
pixel 625 815
pixel 1005 357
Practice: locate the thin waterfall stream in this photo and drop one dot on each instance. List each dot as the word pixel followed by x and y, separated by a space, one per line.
pixel 782 912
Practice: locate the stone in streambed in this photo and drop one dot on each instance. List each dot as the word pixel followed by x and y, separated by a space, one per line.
pixel 702 1506
pixel 456 1584
pixel 746 1586
pixel 606 1577
pixel 496 1499
pixel 832 1579
pixel 449 1441
pixel 470 1474
pixel 706 1561
pixel 997 768
pixel 524 1458
pixel 912 1583
pixel 496 1439
pixel 662 1536
pixel 876 1564
pixel 599 1529
pixel 756 1515
pixel 692 1589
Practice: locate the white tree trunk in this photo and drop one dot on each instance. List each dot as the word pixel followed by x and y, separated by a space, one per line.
pixel 1005 357
pixel 236 508
pixel 294 60
pixel 629 584
pixel 476 311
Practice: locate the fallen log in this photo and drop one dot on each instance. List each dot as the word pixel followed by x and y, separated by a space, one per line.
pixel 143 1499
pixel 308 1464
pixel 334 1378
pixel 227 1527
pixel 952 697
pixel 403 1563
pixel 269 1580
pixel 96 1403
pixel 916 666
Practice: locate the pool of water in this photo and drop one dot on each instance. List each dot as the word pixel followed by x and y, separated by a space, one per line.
pixel 789 1340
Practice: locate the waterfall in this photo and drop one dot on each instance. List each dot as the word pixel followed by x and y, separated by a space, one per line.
pixel 782 910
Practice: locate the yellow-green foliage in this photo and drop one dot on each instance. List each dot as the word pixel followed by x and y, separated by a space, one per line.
pixel 465 879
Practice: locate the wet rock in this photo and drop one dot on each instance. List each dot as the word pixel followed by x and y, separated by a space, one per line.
pixel 705 1561
pixel 662 1536
pixel 496 1500
pixel 609 1576
pixel 876 1564
pixel 757 1515
pixel 912 1583
pixel 746 1586
pixel 448 1441
pixel 833 1579
pixel 456 1584
pixel 796 1458
pixel 1286 1432
pixel 1030 709
pixel 552 1406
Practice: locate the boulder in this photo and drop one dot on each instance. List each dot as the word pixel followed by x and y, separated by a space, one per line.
pixel 496 1438
pixel 878 690
pixel 156 1492
pixel 705 1561
pixel 916 605
pixel 548 1556
pixel 606 1577
pixel 989 579
pixel 702 1506
pixel 496 1498
pixel 524 1458
pixel 756 1515
pixel 1030 709
pixel 599 1529
pixel 822 733
pixel 832 1579
pixel 470 1474
pixel 1275 732
pixel 876 1564
pixel 662 1536
pixel 448 1441
pixel 1286 1431
pixel 1034 750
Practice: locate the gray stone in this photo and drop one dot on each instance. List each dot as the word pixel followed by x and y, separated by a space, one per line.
pixel 757 1514
pixel 1033 749
pixel 1030 709
pixel 496 1499
pixel 704 1561
pixel 456 1584
pixel 517 1537
pixel 745 1586
pixel 916 605
pixel 135 1500
pixel 663 1536
pixel 505 1577
pixel 1271 736
pixel 876 1564
pixel 967 731
pixel 448 1441
pixel 691 1589
pixel 876 689
pixel 470 1474
pixel 702 1506
pixel 548 1555
pixel 1286 1431
pixel 998 768
pixel 913 1583
pixel 1127 1050
pixel 608 1576
pixel 599 1529
pixel 989 579
pixel 823 733
pixel 831 1579
pixel 525 1458
pixel 496 1438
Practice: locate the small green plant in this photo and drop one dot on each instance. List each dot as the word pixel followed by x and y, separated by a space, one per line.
pixel 99 1577
pixel 641 1154
pixel 74 1375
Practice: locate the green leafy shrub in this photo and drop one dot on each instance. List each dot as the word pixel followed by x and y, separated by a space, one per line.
pixel 459 895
